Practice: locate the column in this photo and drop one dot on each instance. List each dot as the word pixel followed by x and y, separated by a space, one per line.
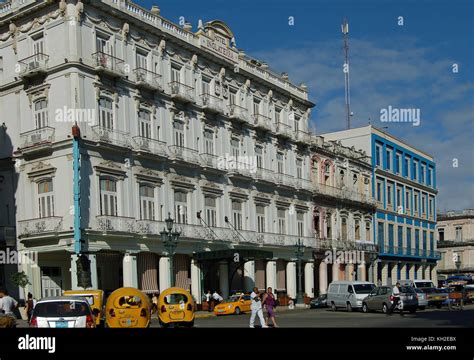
pixel 426 271
pixel 271 273
pixel 394 274
pixel 196 290
pixel 419 272
pixel 130 277
pixel 93 268
pixel 164 273
pixel 362 272
pixel 384 273
pixel 371 270
pixel 33 271
pixel 323 278
pixel 249 275
pixel 434 275
pixel 309 279
pixel 403 271
pixel 291 279
pixel 411 271
pixel 335 271
pixel 224 278
pixel 350 272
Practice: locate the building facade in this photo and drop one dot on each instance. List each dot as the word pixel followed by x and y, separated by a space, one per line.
pixel 173 123
pixel 455 239
pixel 404 188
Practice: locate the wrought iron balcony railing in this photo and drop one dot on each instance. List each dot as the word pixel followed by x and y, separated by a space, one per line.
pixel 181 92
pixel 111 136
pixel 262 122
pixel 239 113
pixel 184 154
pixel 120 224
pixel 39 226
pixel 34 65
pixel 108 64
pixel 212 104
pixel 303 137
pixel 38 137
pixel 151 146
pixel 285 131
pixel 147 79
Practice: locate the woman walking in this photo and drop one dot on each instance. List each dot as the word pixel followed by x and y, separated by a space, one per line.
pixel 269 302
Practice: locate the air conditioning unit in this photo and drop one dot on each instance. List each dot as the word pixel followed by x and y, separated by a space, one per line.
pixel 33 65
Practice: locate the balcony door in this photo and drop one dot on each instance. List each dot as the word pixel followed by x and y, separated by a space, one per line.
pixel 45 199
pixel 144 124
pixel 41 113
pixel 147 202
pixel 51 281
pixel 108 197
pixel 106 114
pixel 38 48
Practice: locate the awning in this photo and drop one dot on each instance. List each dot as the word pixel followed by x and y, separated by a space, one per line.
pixel 231 254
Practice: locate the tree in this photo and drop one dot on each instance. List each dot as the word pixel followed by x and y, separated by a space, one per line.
pixel 21 280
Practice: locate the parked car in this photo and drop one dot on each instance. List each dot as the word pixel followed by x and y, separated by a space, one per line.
pixel 348 294
pixel 422 300
pixel 236 304
pixel 419 284
pixel 319 302
pixel 436 297
pixel 62 312
pixel 381 298
pixel 469 293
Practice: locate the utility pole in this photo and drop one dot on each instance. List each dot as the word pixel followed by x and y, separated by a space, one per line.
pixel 345 34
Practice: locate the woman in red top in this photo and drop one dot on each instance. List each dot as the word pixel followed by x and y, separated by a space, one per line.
pixel 269 303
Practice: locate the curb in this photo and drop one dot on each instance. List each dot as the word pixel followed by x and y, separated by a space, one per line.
pixel 204 316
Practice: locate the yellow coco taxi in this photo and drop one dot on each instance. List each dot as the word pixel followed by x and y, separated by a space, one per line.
pixel 127 308
pixel 176 307
pixel 95 298
pixel 236 304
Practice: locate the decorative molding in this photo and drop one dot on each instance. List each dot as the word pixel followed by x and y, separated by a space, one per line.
pixel 109 167
pixel 40 170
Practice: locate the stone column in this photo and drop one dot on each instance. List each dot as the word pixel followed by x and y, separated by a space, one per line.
pixel 249 275
pixel 350 272
pixel 33 271
pixel 323 278
pixel 309 279
pixel 130 277
pixel 403 271
pixel 434 275
pixel 384 273
pixel 291 279
pixel 93 266
pixel 164 273
pixel 394 274
pixel 196 289
pixel 271 273
pixel 335 271
pixel 362 272
pixel 419 271
pixel 224 278
pixel 411 271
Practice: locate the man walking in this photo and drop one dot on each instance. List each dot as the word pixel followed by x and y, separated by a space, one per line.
pixel 396 299
pixel 256 308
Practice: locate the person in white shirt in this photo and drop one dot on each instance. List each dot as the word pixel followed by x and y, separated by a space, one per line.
pixel 396 299
pixel 7 304
pixel 256 308
pixel 217 298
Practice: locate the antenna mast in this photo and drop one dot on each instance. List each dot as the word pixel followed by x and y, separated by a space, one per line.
pixel 345 34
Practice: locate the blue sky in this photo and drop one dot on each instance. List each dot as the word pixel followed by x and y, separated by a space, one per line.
pixel 407 66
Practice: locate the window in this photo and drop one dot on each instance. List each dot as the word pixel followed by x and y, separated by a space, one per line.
pixel 341 177
pixel 210 208
pixel 389 154
pixel 458 233
pixel 256 106
pixel 45 198
pixel 380 234
pixel 175 73
pixel 102 44
pixel 415 200
pixel 423 173
pixel 206 86
pixel 106 114
pixel 300 223
pixel 415 170
pixel 357 229
pixel 343 229
pixel 407 166
pixel 38 47
pixel 329 226
pixel 259 155
pixel 108 197
pixel 316 224
pixel 417 241
pixel 144 122
pixel 237 214
pixel 141 59
pixel 208 141
pixel 399 196
pixel 398 164
pixel 407 199
pixel 379 190
pixel 299 168
pixel 181 207
pixel 400 238
pixel 423 204
pixel 389 193
pixel 147 202
pixel 178 129
pixel 41 113
pixel 232 97
pixel 409 239
pixel 430 209
pixel 367 231
pixel 235 146
pixel 297 124
pixel 430 176
pixel 390 237
pixel 281 214
pixel 260 210
pixel 378 152
pixel 440 234
pixel 280 163
pixel 277 115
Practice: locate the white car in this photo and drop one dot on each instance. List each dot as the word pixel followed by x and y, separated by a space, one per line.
pixel 348 294
pixel 62 312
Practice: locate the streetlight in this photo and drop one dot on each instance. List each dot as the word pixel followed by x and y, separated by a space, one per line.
pixel 170 241
pixel 299 252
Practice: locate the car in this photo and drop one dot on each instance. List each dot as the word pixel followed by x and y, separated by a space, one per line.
pixel 95 298
pixel 127 307
pixel 436 297
pixel 348 294
pixel 419 284
pixel 235 304
pixel 422 301
pixel 319 302
pixel 62 312
pixel 176 307
pixel 381 298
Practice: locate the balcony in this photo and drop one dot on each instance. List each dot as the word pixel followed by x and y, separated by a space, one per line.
pixel 179 153
pixel 212 162
pixel 391 250
pixel 34 65
pixel 302 184
pixel 284 131
pixel 144 145
pixel 238 113
pixel 212 104
pixel 237 169
pixel 303 137
pixel 262 122
pixel 181 92
pixel 112 137
pixel 121 224
pixel 40 226
pixel 265 175
pixel 285 180
pixel 108 64
pixel 147 80
pixel 37 140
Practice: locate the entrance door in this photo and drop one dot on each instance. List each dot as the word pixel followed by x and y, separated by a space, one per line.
pixel 51 281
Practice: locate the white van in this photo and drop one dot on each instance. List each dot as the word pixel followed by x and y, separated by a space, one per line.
pixel 348 294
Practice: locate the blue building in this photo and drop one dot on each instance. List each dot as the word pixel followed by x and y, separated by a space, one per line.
pixel 404 187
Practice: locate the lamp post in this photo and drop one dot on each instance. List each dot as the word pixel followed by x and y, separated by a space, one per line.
pixel 299 252
pixel 170 241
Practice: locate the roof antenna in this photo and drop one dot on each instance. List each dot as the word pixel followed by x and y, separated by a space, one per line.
pixel 345 34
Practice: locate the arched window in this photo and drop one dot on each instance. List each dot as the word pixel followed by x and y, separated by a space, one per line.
pixel 45 198
pixel 108 196
pixel 147 202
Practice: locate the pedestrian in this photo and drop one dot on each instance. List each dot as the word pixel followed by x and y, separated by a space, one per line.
pixel 269 302
pixel 256 308
pixel 291 304
pixel 208 300
pixel 7 304
pixel 396 299
pixel 154 302
pixel 29 306
pixel 216 298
